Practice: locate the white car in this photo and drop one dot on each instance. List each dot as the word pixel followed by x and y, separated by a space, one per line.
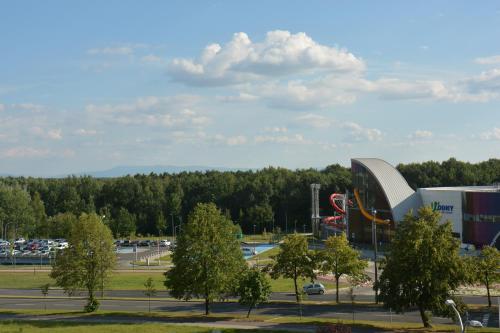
pixel 474 323
pixel 165 242
pixel 314 288
pixel 20 241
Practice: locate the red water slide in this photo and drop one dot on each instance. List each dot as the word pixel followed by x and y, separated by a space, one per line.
pixel 334 220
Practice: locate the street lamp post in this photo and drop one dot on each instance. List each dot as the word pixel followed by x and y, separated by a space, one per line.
pixel 374 241
pixel 254 229
pixel 172 220
pixel 451 303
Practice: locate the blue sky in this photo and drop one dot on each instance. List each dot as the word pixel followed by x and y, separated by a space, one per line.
pixel 92 85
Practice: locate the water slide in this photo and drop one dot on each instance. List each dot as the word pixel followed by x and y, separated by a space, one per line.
pixel 365 213
pixel 334 220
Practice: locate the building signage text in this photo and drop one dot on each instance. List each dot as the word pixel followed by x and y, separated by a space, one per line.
pixel 436 206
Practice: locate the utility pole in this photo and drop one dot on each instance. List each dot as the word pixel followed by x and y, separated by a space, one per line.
pixel 374 240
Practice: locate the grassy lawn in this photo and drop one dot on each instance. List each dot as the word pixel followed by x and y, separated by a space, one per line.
pixel 60 327
pixel 121 281
pixel 118 281
pixel 43 326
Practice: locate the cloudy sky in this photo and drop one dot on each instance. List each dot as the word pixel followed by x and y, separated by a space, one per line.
pixel 246 84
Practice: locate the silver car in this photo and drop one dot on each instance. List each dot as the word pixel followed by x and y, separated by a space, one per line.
pixel 314 288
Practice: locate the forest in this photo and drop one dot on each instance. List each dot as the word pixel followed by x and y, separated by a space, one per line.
pixel 156 204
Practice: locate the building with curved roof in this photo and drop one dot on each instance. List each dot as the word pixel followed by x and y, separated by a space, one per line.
pixel 383 195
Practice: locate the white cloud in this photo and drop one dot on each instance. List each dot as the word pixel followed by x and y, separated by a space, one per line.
pixel 85 132
pixel 152 59
pixel 421 134
pixel 21 152
pixel 494 134
pixel 282 139
pixel 170 112
pixel 52 134
pixel 487 82
pixel 299 95
pixel 492 60
pixel 231 141
pixel 27 107
pixel 241 97
pixel 2 107
pixel 116 50
pixel 360 133
pixel 281 53
pixel 314 120
pixel 276 129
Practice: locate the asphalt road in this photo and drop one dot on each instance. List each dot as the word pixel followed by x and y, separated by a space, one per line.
pixel 32 299
pixel 363 295
pixel 273 309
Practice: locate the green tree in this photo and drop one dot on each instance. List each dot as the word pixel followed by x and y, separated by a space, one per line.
pixel 45 291
pixel 41 223
pixel 294 261
pixel 487 268
pixel 254 288
pixel 340 258
pixel 423 266
pixel 87 261
pixel 207 259
pixel 123 224
pixel 150 290
pixel 61 224
pixel 15 206
pixel 161 223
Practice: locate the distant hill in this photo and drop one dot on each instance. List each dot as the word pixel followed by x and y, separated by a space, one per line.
pixel 119 171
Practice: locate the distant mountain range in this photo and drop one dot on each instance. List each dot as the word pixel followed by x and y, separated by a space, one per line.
pixel 119 171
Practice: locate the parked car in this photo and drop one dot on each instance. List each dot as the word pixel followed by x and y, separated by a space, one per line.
pixel 165 242
pixel 474 323
pixel 20 241
pixel 314 288
pixel 144 243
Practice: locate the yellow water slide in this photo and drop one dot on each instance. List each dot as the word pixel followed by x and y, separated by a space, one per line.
pixel 365 213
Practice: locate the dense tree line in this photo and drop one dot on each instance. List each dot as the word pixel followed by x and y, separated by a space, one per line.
pixel 152 204
pixel 451 173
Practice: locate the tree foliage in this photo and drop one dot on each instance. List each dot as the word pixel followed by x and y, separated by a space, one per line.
pixel 423 266
pixel 487 268
pixel 339 258
pixel 294 261
pixel 149 291
pixel 87 261
pixel 254 288
pixel 262 197
pixel 207 258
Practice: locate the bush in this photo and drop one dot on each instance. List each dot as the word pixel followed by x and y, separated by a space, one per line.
pixel 92 305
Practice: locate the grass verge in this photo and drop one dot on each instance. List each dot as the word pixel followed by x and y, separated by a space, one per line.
pixel 194 318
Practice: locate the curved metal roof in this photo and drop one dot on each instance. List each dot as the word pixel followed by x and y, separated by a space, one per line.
pixel 400 196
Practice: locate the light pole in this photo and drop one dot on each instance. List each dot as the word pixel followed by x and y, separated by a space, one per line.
pixel 451 303
pixel 374 241
pixel 254 229
pixel 5 230
pixel 173 229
